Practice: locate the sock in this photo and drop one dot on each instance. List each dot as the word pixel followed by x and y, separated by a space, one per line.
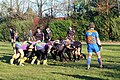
pixel 21 61
pixel 38 62
pixel 25 58
pixel 11 61
pixel 34 59
pixel 88 61
pixel 74 57
pixel 100 61
pixel 45 62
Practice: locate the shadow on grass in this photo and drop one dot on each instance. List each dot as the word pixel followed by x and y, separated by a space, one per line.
pixel 78 64
pixel 84 65
pixel 5 45
pixel 8 54
pixel 112 47
pixel 111 74
pixel 5 59
pixel 78 76
pixel 2 79
pixel 112 66
pixel 111 58
pixel 113 50
pixel 69 64
pixel 6 49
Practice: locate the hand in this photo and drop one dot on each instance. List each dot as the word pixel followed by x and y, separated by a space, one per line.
pixel 101 48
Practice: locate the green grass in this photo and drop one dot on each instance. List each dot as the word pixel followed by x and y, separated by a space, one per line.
pixel 62 71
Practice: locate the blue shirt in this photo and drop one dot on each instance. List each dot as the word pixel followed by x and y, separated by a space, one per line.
pixel 91 39
pixel 91 36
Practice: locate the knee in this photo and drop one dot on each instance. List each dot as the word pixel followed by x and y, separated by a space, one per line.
pixel 98 54
pixel 90 56
pixel 22 55
pixel 14 57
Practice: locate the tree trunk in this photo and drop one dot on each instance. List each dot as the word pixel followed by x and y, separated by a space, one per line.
pixel 68 14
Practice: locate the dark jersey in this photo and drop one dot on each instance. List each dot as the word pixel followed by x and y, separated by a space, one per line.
pixel 12 32
pixel 38 36
pixel 76 44
pixel 70 33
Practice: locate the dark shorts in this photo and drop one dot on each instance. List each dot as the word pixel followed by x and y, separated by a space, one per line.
pixel 12 37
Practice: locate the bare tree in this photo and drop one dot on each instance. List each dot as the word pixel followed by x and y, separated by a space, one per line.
pixel 10 7
pixel 39 4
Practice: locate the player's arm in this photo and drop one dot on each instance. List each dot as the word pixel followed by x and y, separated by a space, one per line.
pixel 98 40
pixel 35 48
pixel 86 37
pixel 43 36
pixel 14 51
pixel 14 48
pixel 34 36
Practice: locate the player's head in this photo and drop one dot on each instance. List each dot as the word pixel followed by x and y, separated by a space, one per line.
pixel 38 29
pixel 70 28
pixel 91 25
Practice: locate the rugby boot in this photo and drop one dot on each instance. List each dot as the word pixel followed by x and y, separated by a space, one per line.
pixel 45 62
pixel 38 62
pixel 34 58
pixel 11 61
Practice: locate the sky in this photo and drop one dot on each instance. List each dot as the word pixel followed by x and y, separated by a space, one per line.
pixel 61 14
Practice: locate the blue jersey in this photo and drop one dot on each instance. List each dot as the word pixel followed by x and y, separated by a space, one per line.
pixel 91 36
pixel 91 39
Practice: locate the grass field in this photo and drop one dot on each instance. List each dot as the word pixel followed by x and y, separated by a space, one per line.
pixel 62 71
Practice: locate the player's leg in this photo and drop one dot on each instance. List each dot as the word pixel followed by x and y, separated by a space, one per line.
pixel 45 55
pixel 21 57
pixel 89 60
pixel 99 59
pixel 97 51
pixel 39 57
pixel 15 56
pixel 34 57
pixel 90 50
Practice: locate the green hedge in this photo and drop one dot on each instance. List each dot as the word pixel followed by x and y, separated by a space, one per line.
pixel 108 28
pixel 59 28
pixel 4 29
pixel 19 25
